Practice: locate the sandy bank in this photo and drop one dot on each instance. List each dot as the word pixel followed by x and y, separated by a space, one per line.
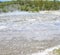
pixel 55 12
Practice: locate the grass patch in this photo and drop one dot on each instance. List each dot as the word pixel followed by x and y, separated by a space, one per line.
pixel 56 51
pixel 30 5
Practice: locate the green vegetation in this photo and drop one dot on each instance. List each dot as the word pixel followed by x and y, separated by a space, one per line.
pixel 29 5
pixel 57 51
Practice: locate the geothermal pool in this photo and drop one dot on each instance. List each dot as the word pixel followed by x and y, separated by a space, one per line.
pixel 28 33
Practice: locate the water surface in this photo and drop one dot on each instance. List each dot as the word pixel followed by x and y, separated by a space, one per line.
pixel 28 33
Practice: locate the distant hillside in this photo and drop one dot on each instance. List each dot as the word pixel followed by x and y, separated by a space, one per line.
pixel 29 5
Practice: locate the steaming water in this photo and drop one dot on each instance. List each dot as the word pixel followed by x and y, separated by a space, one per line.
pixel 28 33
